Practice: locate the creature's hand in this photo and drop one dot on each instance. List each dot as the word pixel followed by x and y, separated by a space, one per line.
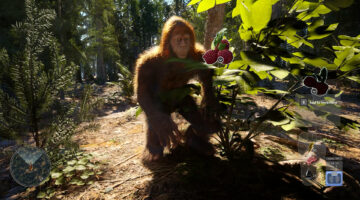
pixel 210 111
pixel 166 129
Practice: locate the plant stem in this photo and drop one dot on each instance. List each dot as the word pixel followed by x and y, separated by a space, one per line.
pixel 263 118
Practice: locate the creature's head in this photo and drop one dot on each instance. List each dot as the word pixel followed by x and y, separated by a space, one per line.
pixel 177 39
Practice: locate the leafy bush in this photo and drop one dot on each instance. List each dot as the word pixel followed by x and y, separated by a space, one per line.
pixel 79 171
pixel 280 49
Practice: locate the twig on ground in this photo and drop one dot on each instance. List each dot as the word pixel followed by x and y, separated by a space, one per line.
pixel 123 161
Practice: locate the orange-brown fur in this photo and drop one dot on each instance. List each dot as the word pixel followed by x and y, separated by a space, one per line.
pixel 154 75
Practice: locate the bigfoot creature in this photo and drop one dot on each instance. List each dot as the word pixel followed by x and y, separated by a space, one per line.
pixel 154 76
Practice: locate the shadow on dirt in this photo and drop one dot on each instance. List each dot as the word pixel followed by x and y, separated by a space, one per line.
pixel 183 175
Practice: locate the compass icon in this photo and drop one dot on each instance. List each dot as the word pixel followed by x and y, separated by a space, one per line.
pixel 29 166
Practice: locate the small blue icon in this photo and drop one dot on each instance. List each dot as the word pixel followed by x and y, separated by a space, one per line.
pixel 334 178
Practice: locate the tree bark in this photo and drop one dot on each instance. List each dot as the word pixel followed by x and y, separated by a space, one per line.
pixel 100 67
pixel 214 23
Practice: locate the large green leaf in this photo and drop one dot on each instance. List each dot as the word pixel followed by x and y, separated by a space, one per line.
pixel 245 12
pixel 349 41
pixel 260 14
pixel 341 56
pixel 280 73
pixel 205 5
pixel 318 62
pixel 245 34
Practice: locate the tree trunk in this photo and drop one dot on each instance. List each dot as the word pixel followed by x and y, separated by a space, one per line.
pixel 100 67
pixel 214 23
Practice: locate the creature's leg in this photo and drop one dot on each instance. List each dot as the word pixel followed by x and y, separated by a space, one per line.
pixel 153 151
pixel 198 133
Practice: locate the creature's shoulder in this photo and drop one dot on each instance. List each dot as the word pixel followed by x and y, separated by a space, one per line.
pixel 148 58
pixel 199 51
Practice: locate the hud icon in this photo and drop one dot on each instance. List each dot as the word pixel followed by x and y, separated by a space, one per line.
pixel 334 178
pixel 303 102
pixel 317 83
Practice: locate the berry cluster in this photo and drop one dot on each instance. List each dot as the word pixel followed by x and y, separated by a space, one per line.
pixel 221 54
pixel 317 82
pixel 317 88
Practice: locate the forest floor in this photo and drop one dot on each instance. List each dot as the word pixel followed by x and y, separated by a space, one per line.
pixel 116 138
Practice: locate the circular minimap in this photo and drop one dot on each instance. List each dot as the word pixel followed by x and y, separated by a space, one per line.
pixel 29 166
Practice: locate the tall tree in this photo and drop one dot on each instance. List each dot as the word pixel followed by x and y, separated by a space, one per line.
pixel 214 22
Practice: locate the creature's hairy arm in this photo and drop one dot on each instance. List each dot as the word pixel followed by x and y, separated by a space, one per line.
pixel 158 121
pixel 145 89
pixel 207 91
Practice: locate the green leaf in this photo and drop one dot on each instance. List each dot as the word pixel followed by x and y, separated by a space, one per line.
pixel 84 176
pixel 347 68
pixel 192 2
pixel 83 161
pixel 280 73
pixel 338 94
pixel 321 10
pixel 354 78
pixel 205 5
pixel 341 56
pixel 41 195
pixel 55 174
pixel 261 67
pixel 236 10
pixel 236 64
pixel 244 7
pixel 245 35
pixel 70 174
pixel 281 122
pixel 218 2
pixel 71 162
pixel 260 14
pixel 59 181
pixel 68 169
pixel 263 75
pixel 276 91
pixel 138 111
pixel 45 180
pixel 76 181
pixel 289 126
pixel 80 167
pixel 355 60
pixel 318 62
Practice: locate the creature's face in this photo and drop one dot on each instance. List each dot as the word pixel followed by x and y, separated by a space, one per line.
pixel 180 42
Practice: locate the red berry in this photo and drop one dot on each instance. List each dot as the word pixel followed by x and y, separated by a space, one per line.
pixel 311 160
pixel 210 56
pixel 310 81
pixel 225 56
pixel 322 88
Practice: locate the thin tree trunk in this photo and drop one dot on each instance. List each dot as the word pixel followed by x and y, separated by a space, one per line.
pixel 214 23
pixel 100 67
